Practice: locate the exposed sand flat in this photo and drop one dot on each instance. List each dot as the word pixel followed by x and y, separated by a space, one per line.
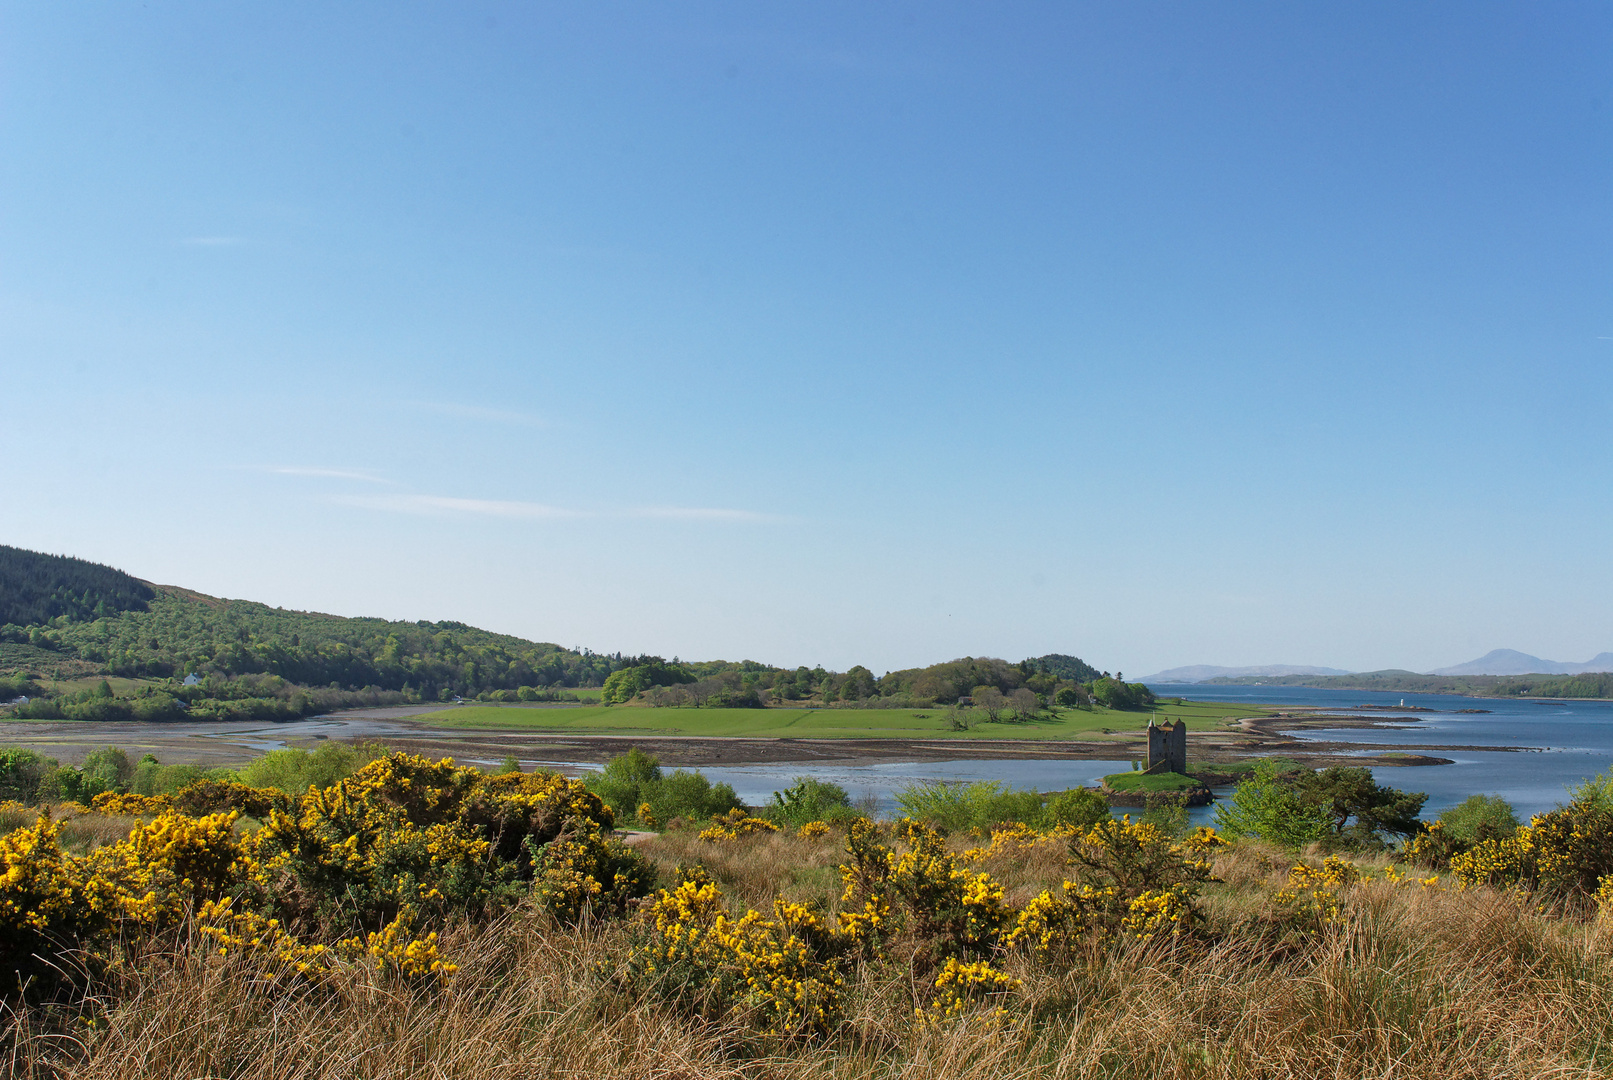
pixel 411 728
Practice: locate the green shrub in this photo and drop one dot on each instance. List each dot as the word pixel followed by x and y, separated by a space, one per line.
pixel 1480 817
pixel 21 772
pixel 1264 807
pixel 809 799
pixel 1079 807
pixel 1167 812
pixel 960 807
pixel 106 769
pixel 294 770
pixel 689 795
pixel 1597 791
pixel 634 779
pixel 622 781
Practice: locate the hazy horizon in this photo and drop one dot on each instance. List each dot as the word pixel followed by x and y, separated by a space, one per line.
pixel 1157 335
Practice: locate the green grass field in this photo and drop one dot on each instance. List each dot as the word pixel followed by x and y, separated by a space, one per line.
pixel 829 723
pixel 1137 781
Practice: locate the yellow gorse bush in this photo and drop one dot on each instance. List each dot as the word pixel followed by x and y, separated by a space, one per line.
pixel 1157 912
pixel 1017 840
pixel 38 884
pixel 171 866
pixel 346 871
pixel 698 956
pixel 736 824
pixel 964 986
pixel 247 932
pixel 130 805
pixel 395 948
pixel 1047 924
pixel 1564 854
pixel 1498 861
pixel 1312 895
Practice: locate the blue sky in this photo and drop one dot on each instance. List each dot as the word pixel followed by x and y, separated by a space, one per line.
pixel 826 333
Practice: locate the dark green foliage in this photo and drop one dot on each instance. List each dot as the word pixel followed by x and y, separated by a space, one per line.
pixel 31 778
pixel 633 779
pixel 21 772
pixel 1068 668
pixel 1115 694
pixel 263 664
pixel 1269 808
pixel 809 799
pixel 294 770
pixel 106 769
pixel 1080 807
pixel 1359 810
pixel 1480 817
pixel 36 588
pixel 183 632
pixel 153 778
pixel 961 807
pixel 1340 805
pixel 625 684
pixel 945 683
pixel 1071 697
pixel 19 685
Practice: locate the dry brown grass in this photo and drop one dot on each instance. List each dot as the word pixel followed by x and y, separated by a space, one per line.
pixel 82 830
pixel 756 869
pixel 1415 983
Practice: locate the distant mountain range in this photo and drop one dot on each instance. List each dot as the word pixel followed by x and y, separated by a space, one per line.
pixel 1495 662
pixel 1201 672
pixel 1512 662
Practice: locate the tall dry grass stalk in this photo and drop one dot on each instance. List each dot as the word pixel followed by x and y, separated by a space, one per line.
pixel 1413 983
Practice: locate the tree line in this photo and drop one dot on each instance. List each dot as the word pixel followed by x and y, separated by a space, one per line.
pixel 999 688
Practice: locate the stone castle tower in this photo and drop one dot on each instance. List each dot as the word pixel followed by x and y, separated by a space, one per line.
pixel 1167 747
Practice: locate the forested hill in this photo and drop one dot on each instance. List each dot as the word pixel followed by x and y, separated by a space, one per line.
pixel 36 588
pixel 101 619
pixel 182 631
pixel 74 622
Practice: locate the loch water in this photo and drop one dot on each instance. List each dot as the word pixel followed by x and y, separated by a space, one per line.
pixel 1542 748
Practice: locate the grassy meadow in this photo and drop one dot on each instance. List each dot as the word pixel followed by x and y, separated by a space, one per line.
pixel 830 723
pixel 1145 783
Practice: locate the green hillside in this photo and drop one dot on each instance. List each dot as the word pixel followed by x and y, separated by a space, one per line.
pixel 91 642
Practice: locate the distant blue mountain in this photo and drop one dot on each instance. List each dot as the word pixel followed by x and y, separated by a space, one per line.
pixel 1513 662
pixel 1200 672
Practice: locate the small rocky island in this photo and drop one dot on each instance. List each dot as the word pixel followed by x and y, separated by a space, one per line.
pixel 1164 776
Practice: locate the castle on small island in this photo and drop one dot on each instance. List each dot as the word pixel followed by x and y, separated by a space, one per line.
pixel 1167 748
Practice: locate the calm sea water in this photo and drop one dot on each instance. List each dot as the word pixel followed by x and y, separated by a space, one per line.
pixel 755 784
pixel 1569 742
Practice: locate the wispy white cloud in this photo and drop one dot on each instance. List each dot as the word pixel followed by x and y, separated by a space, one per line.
pixel 444 505
pixel 451 506
pixel 479 412
pixel 365 475
pixel 212 241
